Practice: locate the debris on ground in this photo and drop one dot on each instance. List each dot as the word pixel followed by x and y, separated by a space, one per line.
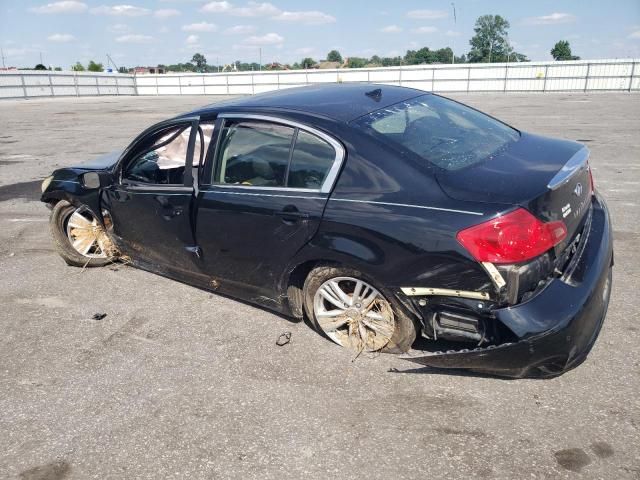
pixel 98 316
pixel 283 339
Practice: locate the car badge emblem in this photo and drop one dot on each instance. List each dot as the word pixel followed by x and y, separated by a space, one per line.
pixel 578 190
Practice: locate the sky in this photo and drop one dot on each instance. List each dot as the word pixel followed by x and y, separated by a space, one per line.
pixel 148 32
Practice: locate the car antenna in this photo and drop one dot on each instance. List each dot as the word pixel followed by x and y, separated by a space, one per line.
pixel 375 94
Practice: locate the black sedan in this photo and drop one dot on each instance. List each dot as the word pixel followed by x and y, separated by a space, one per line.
pixel 382 213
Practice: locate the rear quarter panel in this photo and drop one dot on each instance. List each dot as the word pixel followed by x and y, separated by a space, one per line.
pixel 388 217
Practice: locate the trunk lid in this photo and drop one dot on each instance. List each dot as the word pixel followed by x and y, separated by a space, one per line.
pixel 548 177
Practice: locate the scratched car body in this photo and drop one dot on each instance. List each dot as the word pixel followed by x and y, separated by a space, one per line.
pixel 380 213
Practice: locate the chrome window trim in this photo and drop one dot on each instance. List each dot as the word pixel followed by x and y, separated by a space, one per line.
pixel 328 183
pixel 270 195
pixel 408 205
pixel 251 187
pixel 577 162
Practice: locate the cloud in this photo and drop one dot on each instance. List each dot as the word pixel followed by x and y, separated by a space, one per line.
pixel 216 7
pixel 551 19
pixel 424 30
pixel 253 9
pixel 166 13
pixel 200 27
pixel 311 17
pixel 240 30
pixel 118 28
pixel 61 37
pixel 391 29
pixel 134 38
pixel 19 52
pixel 427 14
pixel 267 39
pixel 67 6
pixel 634 35
pixel 192 39
pixel 121 10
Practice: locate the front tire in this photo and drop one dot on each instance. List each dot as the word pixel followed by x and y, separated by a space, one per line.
pixel 78 236
pixel 345 306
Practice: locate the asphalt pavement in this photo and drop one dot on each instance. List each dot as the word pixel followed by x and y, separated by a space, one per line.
pixel 176 382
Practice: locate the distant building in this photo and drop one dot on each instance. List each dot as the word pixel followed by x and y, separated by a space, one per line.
pixel 8 69
pixel 277 66
pixel 150 70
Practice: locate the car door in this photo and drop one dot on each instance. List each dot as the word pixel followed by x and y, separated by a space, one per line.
pixel 268 184
pixel 150 204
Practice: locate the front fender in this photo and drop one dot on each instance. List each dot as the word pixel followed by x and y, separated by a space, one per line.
pixel 69 185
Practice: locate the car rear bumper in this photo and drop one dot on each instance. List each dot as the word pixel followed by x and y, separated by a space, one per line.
pixel 557 328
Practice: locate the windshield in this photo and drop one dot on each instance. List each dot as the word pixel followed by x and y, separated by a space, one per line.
pixel 446 133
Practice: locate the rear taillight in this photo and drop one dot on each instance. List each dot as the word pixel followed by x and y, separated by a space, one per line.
pixel 515 237
pixel 593 185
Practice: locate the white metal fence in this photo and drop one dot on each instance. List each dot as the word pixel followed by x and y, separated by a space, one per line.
pixel 42 83
pixel 593 75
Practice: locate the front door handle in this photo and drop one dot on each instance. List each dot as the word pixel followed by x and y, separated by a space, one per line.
pixel 291 214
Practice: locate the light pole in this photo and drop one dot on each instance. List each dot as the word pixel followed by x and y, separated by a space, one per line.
pixel 455 21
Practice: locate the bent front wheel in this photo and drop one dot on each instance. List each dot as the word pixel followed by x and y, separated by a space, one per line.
pixel 78 236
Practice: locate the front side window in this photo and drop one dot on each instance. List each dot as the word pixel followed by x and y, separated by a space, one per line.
pixel 443 132
pixel 264 154
pixel 163 162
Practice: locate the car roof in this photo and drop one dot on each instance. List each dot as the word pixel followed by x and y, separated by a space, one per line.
pixel 342 102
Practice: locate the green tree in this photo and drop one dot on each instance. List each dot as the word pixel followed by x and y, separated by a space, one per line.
pixel 356 62
pixel 334 56
pixel 490 44
pixel 200 62
pixel 562 51
pixel 78 67
pixel 307 62
pixel 391 61
pixel 443 55
pixel 375 60
pixel 40 67
pixel 95 67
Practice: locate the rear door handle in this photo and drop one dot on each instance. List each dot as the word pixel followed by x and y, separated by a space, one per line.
pixel 290 213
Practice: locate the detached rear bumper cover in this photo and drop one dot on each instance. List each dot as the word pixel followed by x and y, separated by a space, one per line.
pixel 558 327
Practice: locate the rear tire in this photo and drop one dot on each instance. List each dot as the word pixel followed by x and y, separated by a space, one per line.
pixel 93 247
pixel 361 316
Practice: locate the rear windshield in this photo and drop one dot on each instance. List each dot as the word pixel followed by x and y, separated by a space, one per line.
pixel 441 131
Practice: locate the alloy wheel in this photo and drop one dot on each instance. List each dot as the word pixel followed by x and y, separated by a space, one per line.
pixel 354 314
pixel 86 235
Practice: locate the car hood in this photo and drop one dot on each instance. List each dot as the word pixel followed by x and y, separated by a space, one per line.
pixel 102 162
pixel 514 176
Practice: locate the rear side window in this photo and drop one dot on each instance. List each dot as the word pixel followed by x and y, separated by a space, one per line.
pixel 446 133
pixel 311 161
pixel 254 154
pixel 264 154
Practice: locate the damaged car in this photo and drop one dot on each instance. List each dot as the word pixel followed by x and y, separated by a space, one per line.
pixel 380 213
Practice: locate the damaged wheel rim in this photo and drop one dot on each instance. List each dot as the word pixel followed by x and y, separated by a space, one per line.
pixel 354 314
pixel 86 235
